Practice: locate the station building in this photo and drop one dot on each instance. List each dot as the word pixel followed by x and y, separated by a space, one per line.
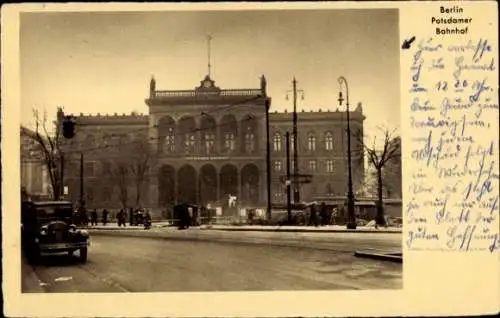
pixel 203 145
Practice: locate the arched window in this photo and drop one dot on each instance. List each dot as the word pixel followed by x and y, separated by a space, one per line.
pixel 208 142
pixel 229 142
pixel 311 142
pixel 328 141
pixel 124 140
pixel 190 143
pixel 169 141
pixel 106 140
pixel 249 141
pixel 277 142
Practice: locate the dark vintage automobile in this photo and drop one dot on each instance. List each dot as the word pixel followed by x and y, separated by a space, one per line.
pixel 47 227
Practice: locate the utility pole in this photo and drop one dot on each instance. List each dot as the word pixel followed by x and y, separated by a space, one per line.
pixel 62 176
pixel 268 161
pixel 82 201
pixel 288 181
pixel 296 187
pixel 351 221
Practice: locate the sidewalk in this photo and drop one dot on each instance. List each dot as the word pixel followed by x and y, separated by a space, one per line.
pixel 114 226
pixel 314 229
pixel 338 242
pixel 258 228
pixel 29 282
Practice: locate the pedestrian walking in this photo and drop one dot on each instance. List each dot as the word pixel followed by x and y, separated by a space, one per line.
pixel 323 214
pixel 131 216
pixel 93 217
pixel 147 220
pixel 313 220
pixel 105 217
pixel 85 217
pixel 121 218
pixel 118 220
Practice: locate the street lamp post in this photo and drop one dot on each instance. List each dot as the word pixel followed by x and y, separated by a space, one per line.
pixel 296 185
pixel 82 201
pixel 351 221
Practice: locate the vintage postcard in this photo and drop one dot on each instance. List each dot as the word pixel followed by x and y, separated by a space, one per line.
pixel 250 159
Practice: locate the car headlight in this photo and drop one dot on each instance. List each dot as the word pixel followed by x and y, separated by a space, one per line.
pixel 72 229
pixel 43 231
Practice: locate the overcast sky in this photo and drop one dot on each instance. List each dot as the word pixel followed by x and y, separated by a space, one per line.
pixel 102 62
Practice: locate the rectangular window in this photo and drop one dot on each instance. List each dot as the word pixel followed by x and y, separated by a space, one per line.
pixel 329 166
pixel 90 195
pixel 277 166
pixel 89 169
pixel 106 194
pixel 106 168
pixel 312 165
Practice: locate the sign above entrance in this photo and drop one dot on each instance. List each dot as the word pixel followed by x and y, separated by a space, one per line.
pixel 206 158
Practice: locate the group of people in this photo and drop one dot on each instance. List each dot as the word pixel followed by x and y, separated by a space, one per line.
pixel 136 217
pixel 82 218
pixel 320 215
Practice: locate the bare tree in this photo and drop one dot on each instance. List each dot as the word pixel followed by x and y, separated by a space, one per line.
pixel 121 173
pixel 139 166
pixel 369 187
pixel 50 147
pixel 378 158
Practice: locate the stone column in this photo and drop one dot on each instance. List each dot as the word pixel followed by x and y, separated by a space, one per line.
pixel 217 137
pixel 238 179
pixel 219 178
pixel 198 187
pixel 263 186
pixel 176 187
pixel 153 134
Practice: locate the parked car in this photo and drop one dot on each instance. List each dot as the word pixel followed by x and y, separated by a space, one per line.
pixel 47 227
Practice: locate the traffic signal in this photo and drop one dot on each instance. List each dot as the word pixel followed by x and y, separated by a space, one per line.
pixel 68 128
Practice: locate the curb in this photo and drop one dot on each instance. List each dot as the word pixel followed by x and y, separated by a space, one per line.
pixel 301 230
pixel 30 280
pixel 382 256
pixel 224 240
pixel 255 230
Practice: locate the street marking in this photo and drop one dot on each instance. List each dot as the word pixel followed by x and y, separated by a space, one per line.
pixel 63 279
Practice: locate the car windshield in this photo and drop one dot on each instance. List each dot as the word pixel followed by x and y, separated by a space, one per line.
pixel 54 212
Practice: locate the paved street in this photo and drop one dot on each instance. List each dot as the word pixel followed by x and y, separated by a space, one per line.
pixel 138 264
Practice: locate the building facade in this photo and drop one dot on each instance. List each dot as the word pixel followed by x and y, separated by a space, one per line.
pixel 202 146
pixel 34 177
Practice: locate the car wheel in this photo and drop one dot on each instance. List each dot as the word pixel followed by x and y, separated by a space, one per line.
pixel 83 254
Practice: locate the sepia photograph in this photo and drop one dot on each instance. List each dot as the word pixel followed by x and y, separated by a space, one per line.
pixel 210 151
